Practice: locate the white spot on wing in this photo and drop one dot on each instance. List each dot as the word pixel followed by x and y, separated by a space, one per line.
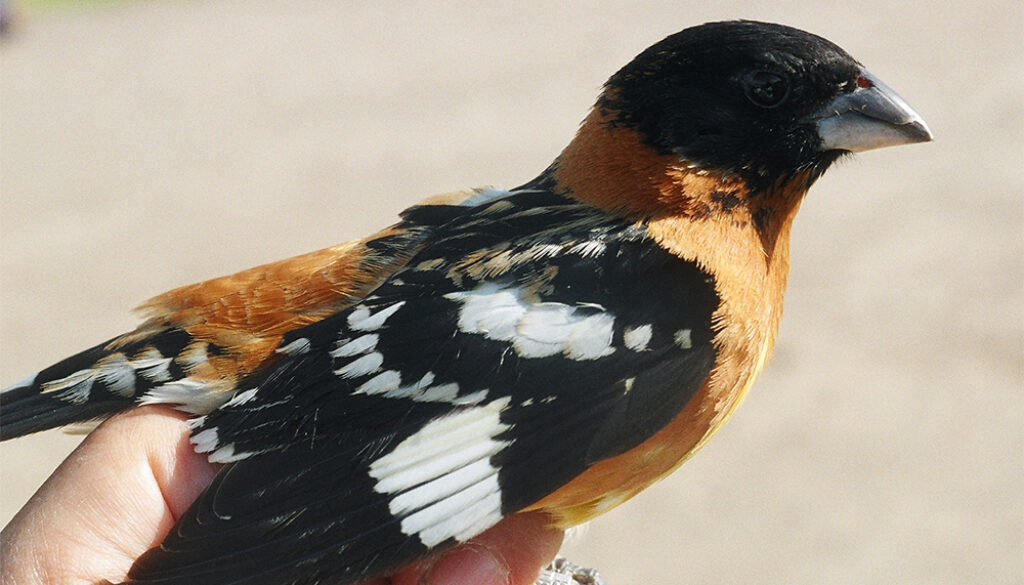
pixel 382 382
pixel 412 390
pixel 552 328
pixel 543 330
pixel 440 447
pixel 682 338
pixel 116 375
pixel 491 310
pixel 442 487
pixel 591 338
pixel 357 346
pixel 227 454
pixel 297 347
pixel 362 319
pixel 151 365
pixel 193 355
pixel 535 329
pixel 241 398
pixel 208 441
pixel 460 516
pixel 367 364
pixel 471 398
pixel 441 477
pixel 74 388
pixel 440 393
pixel 389 384
pixel 188 395
pixel 637 338
pixel 205 441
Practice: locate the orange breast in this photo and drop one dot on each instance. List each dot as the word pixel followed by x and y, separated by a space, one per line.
pixel 740 238
pixel 613 481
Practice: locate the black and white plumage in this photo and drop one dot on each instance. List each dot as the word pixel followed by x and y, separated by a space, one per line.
pixel 507 357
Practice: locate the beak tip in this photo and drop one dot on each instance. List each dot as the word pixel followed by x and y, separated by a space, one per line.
pixel 916 131
pixel 923 130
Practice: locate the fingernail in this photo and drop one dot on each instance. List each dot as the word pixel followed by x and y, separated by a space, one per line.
pixel 469 565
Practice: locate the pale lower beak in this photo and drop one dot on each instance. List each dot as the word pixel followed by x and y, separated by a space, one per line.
pixel 872 116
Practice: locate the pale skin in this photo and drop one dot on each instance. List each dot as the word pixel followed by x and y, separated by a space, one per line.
pixel 122 489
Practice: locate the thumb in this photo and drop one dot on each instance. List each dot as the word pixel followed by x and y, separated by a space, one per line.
pixel 113 498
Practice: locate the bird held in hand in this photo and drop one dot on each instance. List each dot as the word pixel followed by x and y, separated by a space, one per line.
pixel 553 348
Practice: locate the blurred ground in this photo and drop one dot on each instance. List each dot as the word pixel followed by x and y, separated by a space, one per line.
pixel 148 145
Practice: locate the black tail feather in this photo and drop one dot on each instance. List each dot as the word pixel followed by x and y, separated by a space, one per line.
pixel 24 411
pixel 92 384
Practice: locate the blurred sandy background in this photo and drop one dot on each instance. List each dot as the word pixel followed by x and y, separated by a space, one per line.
pixel 148 145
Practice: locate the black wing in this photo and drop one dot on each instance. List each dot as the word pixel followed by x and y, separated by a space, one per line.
pixel 535 338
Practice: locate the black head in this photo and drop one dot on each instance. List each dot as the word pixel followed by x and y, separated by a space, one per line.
pixel 740 97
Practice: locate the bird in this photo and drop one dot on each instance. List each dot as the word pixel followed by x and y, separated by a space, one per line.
pixel 552 348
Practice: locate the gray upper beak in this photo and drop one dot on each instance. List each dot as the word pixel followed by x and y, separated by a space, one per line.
pixel 872 116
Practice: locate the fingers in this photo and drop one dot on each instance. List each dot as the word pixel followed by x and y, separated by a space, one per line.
pixel 113 498
pixel 511 553
pixel 124 487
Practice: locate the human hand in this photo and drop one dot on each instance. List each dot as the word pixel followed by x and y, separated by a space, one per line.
pixel 124 487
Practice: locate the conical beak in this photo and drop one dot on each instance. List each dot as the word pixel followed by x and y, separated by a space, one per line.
pixel 872 116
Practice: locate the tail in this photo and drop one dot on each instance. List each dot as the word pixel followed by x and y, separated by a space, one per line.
pixel 93 384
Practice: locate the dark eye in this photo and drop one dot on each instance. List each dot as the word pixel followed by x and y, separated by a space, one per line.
pixel 765 88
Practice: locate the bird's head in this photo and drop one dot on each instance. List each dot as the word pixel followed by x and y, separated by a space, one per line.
pixel 757 100
pixel 754 106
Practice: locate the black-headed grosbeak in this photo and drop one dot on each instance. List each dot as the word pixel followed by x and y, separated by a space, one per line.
pixel 556 347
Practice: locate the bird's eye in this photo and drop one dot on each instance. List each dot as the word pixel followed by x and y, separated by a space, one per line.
pixel 765 88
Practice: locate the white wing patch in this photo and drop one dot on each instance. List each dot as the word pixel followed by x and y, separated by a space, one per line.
pixel 367 364
pixel 152 365
pixel 491 310
pixel 300 346
pixel 383 382
pixel 241 398
pixel 637 338
pixel 189 395
pixel 389 383
pixel 423 390
pixel 195 354
pixel 362 319
pixel 207 441
pixel 441 478
pixel 115 372
pixel 535 329
pixel 74 388
pixel 683 338
pixel 364 344
pixel 227 454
